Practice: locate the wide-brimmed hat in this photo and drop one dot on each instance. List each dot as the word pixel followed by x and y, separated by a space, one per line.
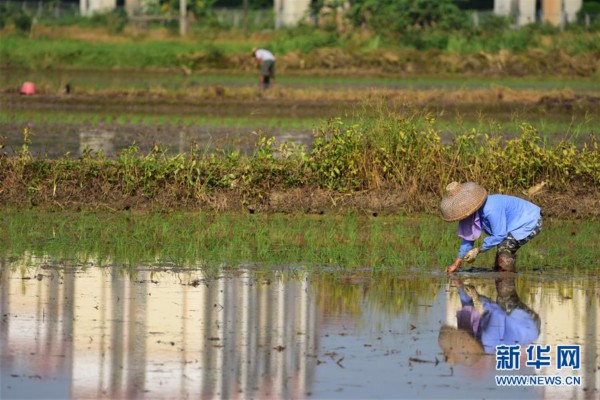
pixel 458 346
pixel 462 200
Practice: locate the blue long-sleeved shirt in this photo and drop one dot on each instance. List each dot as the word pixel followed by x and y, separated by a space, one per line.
pixel 496 327
pixel 501 215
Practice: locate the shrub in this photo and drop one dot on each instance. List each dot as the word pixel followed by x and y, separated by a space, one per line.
pixel 23 22
pixel 302 38
pixel 115 20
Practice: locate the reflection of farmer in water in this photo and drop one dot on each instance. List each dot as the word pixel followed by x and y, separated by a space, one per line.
pixel 266 62
pixel 483 324
pixel 509 221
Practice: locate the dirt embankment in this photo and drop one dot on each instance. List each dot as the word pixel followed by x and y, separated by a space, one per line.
pixel 307 200
pixel 283 102
pixel 282 96
pixel 531 62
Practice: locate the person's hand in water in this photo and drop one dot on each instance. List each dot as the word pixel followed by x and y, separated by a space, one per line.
pixel 455 265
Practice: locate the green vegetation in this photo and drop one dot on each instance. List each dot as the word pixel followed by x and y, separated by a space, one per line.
pixel 388 152
pixel 391 149
pixel 408 36
pixel 448 126
pixel 350 241
pixel 571 55
pixel 153 120
pixel 52 53
pixel 431 24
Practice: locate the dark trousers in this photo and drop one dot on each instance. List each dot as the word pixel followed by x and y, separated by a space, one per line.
pixel 507 249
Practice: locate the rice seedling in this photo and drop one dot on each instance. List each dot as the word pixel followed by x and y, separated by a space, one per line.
pixel 348 241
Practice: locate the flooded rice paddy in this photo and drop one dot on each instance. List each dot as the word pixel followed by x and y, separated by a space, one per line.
pixel 84 331
pixel 71 124
pixel 180 306
pixel 184 305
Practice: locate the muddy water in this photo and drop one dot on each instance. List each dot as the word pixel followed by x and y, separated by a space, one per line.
pixel 63 124
pixel 58 129
pixel 103 332
pixel 54 140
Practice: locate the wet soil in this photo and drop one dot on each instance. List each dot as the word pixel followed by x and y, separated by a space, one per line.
pixel 181 105
pixel 305 200
pixel 314 102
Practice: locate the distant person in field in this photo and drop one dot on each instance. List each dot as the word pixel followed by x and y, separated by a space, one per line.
pixel 265 60
pixel 509 222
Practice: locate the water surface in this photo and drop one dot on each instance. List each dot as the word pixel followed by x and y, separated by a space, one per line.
pixel 84 331
pixel 69 124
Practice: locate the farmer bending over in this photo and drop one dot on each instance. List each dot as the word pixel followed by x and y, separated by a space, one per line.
pixel 266 62
pixel 509 221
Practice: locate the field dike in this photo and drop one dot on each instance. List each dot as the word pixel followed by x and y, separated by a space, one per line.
pixel 387 164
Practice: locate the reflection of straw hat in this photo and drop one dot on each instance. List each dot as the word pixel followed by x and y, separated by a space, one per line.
pixel 459 347
pixel 461 200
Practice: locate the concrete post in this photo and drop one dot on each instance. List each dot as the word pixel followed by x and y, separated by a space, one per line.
pixel 505 7
pixel 552 11
pixel 89 7
pixel 526 13
pixel 571 8
pixel 475 18
pixel 290 12
pixel 131 6
pixel 278 5
pixel 182 17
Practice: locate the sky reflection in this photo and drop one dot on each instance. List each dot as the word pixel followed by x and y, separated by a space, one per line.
pixel 103 333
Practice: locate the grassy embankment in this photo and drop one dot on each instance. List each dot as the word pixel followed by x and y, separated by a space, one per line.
pixel 385 164
pixel 506 52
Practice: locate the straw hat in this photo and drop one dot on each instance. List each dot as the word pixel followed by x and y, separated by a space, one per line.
pixel 461 200
pixel 459 347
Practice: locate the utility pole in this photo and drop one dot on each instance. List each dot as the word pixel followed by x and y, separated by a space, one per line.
pixel 563 16
pixel 245 15
pixel 182 18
